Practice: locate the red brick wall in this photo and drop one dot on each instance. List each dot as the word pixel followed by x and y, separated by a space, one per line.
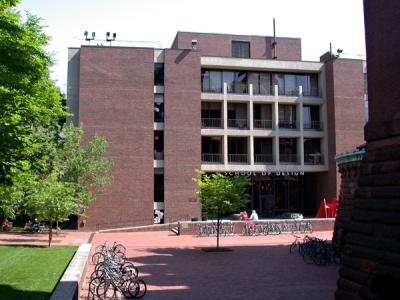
pixel 221 45
pixel 116 101
pixel 345 111
pixel 182 133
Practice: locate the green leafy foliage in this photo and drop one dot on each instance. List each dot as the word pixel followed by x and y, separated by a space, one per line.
pixel 221 194
pixel 74 174
pixel 30 103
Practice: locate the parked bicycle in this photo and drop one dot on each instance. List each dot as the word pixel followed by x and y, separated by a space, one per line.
pixel 114 275
pixel 210 229
pixel 273 228
pixel 314 250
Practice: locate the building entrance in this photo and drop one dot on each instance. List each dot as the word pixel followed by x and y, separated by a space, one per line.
pixel 274 195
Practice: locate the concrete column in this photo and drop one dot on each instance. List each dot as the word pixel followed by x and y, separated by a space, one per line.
pixel 276 116
pixel 250 114
pixel 300 116
pixel 276 91
pixel 300 147
pixel 275 150
pixel 251 89
pixel 225 149
pixel 251 149
pixel 225 106
pixel 300 91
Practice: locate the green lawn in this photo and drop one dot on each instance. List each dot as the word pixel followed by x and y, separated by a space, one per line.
pixel 31 272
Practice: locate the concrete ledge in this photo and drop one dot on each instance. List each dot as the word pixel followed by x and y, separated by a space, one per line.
pixel 192 228
pixel 69 285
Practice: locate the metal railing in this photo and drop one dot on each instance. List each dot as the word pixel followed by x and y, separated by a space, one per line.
pixel 288 158
pixel 238 158
pixel 211 157
pixel 312 92
pixel 285 92
pixel 287 124
pixel 238 88
pixel 313 159
pixel 237 123
pixel 262 124
pixel 263 91
pixel 210 122
pixel 263 158
pixel 211 89
pixel 312 125
pixel 158 155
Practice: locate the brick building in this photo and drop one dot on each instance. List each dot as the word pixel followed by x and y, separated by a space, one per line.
pixel 242 105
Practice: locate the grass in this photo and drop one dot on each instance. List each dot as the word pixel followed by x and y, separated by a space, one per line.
pixel 31 273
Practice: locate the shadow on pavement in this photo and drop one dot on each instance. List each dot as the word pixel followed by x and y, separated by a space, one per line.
pixel 247 272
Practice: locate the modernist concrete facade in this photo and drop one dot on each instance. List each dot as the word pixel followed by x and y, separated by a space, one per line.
pixel 219 103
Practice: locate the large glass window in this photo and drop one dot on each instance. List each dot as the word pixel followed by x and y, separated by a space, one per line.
pixel 279 80
pixel 215 82
pixel 287 150
pixel 254 80
pixel 314 90
pixel 287 116
pixel 265 83
pixel 240 83
pixel 240 49
pixel 312 151
pixel 290 85
pixel 311 118
pixel 158 74
pixel 228 77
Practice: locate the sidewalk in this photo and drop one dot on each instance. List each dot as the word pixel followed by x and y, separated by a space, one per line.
pixel 175 267
pixel 63 238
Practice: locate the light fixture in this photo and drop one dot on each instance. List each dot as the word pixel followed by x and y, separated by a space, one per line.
pixel 87 37
pixel 109 38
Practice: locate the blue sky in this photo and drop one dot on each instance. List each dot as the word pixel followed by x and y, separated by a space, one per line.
pixel 317 22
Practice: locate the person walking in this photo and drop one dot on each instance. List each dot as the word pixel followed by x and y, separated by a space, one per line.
pixel 254 216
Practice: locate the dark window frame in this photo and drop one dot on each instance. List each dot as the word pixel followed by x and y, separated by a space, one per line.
pixel 238 53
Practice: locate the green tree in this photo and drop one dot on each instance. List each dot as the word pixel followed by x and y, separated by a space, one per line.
pixel 52 200
pixel 30 103
pixel 221 194
pixel 75 174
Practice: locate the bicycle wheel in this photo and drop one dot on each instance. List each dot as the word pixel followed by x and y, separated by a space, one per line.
pixel 97 258
pixel 293 246
pixel 130 269
pixel 93 284
pixel 119 248
pixel 106 290
pixel 137 288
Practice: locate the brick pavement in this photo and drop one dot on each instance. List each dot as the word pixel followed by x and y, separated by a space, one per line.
pixel 64 238
pixel 175 267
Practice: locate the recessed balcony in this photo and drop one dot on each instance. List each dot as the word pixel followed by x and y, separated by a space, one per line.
pixel 211 149
pixel 237 123
pixel 211 123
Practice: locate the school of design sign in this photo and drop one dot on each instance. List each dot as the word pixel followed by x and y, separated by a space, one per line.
pixel 264 173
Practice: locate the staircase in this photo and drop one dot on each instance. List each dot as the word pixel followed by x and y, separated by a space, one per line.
pixel 175 228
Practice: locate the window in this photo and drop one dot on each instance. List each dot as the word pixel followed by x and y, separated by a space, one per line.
pixel 265 83
pixel 240 49
pixel 158 74
pixel 287 116
pixel 229 78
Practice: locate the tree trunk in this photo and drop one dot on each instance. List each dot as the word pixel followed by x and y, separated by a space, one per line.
pixel 218 222
pixel 50 232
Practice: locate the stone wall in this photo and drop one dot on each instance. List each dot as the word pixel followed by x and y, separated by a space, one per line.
pixel 349 169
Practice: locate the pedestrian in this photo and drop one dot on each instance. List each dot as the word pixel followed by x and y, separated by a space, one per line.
pixel 244 216
pixel 254 216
